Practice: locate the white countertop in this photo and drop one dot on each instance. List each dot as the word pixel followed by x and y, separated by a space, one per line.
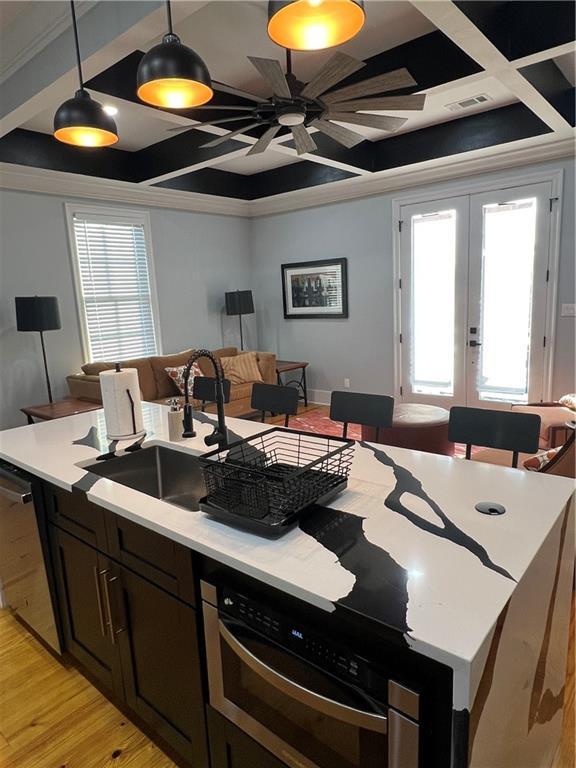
pixel 433 568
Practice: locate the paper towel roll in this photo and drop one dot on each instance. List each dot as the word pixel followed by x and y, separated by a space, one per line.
pixel 122 404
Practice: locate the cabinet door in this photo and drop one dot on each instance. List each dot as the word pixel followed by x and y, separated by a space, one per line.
pixel 72 512
pixel 80 578
pixel 157 636
pixel 230 748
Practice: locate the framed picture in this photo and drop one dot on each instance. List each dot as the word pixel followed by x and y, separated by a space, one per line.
pixel 314 289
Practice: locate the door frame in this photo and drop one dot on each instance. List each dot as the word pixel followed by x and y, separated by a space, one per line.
pixel 468 187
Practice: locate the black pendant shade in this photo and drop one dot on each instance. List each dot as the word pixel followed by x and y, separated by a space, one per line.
pixel 171 75
pixel 37 313
pixel 239 303
pixel 305 25
pixel 81 121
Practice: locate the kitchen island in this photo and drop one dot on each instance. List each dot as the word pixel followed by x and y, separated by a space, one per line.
pixel 402 554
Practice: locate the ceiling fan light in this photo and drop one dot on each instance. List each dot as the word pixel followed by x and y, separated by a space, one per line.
pixel 312 25
pixel 173 76
pixel 82 122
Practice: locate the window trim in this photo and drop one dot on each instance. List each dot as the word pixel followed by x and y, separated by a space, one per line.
pixel 128 215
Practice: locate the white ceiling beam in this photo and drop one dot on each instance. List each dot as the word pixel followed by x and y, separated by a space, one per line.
pixel 551 53
pixel 454 23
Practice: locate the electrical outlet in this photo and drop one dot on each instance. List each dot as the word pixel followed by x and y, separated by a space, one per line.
pixel 568 310
pixel 346 383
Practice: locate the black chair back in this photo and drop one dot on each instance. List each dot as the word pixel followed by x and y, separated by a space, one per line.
pixel 505 430
pixel 273 398
pixel 204 389
pixel 358 408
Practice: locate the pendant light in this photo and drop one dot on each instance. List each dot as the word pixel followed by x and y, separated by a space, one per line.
pixel 312 25
pixel 173 76
pixel 81 121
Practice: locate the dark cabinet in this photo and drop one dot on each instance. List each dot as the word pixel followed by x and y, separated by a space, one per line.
pixel 80 573
pixel 138 640
pixel 231 748
pixel 72 512
pixel 157 637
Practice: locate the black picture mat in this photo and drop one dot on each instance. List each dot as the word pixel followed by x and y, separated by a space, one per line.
pixel 343 264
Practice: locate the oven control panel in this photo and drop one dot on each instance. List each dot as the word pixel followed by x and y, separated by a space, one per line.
pixel 295 636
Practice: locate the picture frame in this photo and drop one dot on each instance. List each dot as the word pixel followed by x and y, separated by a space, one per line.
pixel 315 289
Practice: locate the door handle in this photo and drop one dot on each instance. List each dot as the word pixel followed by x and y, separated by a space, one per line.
pixel 113 629
pixel 475 343
pixel 328 707
pixel 101 614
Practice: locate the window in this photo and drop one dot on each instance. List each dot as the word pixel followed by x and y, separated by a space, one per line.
pixel 112 266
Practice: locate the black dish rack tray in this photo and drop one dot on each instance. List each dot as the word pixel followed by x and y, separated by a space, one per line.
pixel 265 482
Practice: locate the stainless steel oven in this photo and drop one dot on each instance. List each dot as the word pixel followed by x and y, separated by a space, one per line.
pixel 304 697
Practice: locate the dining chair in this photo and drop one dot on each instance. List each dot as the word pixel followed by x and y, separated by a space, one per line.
pixel 274 398
pixel 359 408
pixel 204 389
pixel 504 430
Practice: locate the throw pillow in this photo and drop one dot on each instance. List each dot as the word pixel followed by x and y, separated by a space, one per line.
pixel 538 462
pixel 569 401
pixel 242 368
pixel 177 376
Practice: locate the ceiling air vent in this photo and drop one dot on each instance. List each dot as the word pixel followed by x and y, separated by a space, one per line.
pixel 473 101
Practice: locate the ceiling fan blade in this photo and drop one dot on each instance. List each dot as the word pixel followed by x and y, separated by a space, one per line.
pixel 336 69
pixel 271 71
pixel 392 103
pixel 337 132
pixel 210 122
pixel 221 139
pixel 391 81
pixel 224 88
pixel 264 140
pixel 227 107
pixel 303 141
pixel 383 122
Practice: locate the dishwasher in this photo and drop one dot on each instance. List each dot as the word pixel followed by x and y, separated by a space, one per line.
pixel 24 586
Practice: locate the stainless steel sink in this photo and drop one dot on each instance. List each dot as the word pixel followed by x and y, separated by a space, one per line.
pixel 165 473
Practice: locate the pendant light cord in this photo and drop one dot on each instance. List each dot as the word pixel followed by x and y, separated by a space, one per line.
pixel 78 60
pixel 169 14
pixel 288 61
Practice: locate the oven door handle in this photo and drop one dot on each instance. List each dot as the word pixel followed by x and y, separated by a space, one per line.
pixel 328 707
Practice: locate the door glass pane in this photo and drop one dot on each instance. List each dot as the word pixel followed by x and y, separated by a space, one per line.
pixel 433 283
pixel 509 238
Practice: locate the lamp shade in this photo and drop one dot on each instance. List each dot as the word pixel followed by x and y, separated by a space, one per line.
pixel 312 25
pixel 82 122
pixel 37 313
pixel 239 303
pixel 173 76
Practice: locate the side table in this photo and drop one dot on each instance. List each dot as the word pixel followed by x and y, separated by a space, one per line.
pixel 285 366
pixel 58 409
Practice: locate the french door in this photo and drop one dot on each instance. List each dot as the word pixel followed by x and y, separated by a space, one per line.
pixel 474 272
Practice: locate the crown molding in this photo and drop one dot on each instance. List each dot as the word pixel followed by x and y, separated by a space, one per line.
pixel 28 179
pixel 466 164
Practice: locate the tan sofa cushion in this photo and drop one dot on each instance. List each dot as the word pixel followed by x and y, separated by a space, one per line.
pixel 142 365
pixel 206 365
pixel 550 416
pixel 241 369
pixel 240 392
pixel 165 386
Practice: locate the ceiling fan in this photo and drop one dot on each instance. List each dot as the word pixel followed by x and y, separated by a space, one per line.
pixel 300 106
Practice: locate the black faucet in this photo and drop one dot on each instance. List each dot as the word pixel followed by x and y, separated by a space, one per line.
pixel 220 434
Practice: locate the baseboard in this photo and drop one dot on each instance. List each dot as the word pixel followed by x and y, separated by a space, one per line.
pixel 319 397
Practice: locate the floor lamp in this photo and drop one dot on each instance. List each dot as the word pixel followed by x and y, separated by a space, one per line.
pixel 239 303
pixel 38 313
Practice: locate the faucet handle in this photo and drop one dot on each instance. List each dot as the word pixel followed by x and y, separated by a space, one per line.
pixel 217 437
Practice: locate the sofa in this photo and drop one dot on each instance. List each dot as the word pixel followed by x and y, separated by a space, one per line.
pixel 157 387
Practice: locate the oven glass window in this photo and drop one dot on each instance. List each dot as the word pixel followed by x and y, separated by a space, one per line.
pixel 326 741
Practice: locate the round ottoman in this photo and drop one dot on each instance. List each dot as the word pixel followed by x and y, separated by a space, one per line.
pixel 415 426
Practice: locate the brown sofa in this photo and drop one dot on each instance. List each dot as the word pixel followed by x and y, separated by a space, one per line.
pixel 157 387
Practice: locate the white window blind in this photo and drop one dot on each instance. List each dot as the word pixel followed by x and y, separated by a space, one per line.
pixel 114 282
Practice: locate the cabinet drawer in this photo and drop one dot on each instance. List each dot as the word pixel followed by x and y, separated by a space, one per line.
pixel 72 512
pixel 159 559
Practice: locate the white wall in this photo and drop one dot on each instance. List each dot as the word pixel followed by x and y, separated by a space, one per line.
pixel 197 258
pixel 361 347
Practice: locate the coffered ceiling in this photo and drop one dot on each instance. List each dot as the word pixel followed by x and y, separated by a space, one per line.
pixel 518 57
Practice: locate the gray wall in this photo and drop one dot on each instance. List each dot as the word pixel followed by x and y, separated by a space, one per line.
pixel 362 347
pixel 197 257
